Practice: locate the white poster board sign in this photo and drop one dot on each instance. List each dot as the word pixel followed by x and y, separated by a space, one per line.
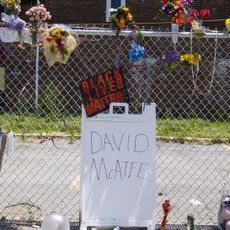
pixel 118 169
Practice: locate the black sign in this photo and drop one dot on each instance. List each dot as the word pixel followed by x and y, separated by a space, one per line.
pixel 99 91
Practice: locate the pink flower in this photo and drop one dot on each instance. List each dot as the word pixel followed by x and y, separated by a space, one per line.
pixel 38 16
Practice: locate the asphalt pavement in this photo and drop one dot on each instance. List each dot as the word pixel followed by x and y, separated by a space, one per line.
pixel 42 176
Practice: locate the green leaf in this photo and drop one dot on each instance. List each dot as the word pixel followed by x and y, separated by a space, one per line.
pixel 52 49
pixel 139 35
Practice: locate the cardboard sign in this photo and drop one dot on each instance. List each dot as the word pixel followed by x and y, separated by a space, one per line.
pixel 118 169
pixel 99 91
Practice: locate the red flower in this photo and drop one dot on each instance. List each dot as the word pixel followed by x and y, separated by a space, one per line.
pixel 189 20
pixel 194 14
pixel 205 14
pixel 166 207
pixel 179 18
pixel 165 1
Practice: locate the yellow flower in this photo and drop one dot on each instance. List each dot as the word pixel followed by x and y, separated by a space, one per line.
pixel 227 24
pixel 56 33
pixel 125 9
pixel 129 17
pixel 122 23
pixel 191 59
pixel 51 40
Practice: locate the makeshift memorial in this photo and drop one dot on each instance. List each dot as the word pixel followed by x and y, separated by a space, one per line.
pixel 227 24
pixel 55 221
pixel 99 91
pixel 58 45
pixel 166 209
pixel 38 17
pixel 191 58
pixel 196 19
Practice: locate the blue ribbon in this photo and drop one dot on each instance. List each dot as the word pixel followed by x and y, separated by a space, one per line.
pixel 136 52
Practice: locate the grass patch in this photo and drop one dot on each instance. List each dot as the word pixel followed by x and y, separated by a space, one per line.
pixel 196 128
pixel 71 125
pixel 33 124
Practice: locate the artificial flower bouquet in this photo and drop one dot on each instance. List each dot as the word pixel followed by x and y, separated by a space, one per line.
pixel 176 10
pixel 38 17
pixel 227 24
pixel 136 53
pixel 166 209
pixel 121 17
pixel 58 45
pixel 196 19
pixel 171 60
pixel 11 19
pixel 200 16
pixel 12 7
pixel 191 58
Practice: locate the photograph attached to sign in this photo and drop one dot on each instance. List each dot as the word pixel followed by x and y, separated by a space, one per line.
pixel 99 91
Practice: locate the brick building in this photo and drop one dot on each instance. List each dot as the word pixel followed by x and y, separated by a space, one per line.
pixel 94 11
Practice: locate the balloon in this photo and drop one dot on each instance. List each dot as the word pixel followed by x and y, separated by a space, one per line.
pixel 55 221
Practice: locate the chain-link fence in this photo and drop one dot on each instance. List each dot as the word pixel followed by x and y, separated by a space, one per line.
pixel 43 109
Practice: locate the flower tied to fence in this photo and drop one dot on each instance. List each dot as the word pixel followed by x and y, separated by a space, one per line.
pixel 58 45
pixel 191 58
pixel 137 52
pixel 38 17
pixel 171 60
pixel 227 24
pixel 12 7
pixel 196 18
pixel 175 10
pixel 11 19
pixel 199 16
pixel 121 18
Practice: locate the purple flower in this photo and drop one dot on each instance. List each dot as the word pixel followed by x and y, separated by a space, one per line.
pixel 171 57
pixel 166 9
pixel 187 3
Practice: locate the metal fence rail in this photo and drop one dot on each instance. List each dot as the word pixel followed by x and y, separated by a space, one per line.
pixel 42 175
